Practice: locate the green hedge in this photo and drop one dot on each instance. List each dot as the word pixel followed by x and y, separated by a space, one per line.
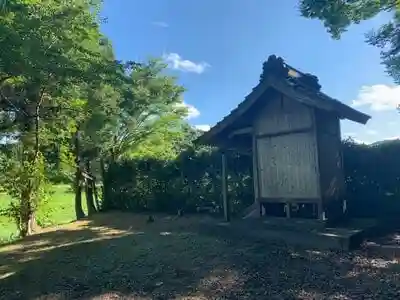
pixel 372 179
pixel 193 180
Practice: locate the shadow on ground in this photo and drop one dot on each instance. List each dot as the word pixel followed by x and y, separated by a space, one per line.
pixel 121 256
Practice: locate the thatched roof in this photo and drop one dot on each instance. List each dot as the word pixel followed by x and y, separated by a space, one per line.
pixel 296 85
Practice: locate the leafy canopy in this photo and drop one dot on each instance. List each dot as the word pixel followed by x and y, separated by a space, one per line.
pixel 338 15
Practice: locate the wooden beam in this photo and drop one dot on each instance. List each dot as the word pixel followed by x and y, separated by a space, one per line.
pixel 286 132
pixel 289 200
pixel 245 130
pixel 225 189
pixel 239 151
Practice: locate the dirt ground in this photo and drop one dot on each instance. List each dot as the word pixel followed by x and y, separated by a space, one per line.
pixel 121 256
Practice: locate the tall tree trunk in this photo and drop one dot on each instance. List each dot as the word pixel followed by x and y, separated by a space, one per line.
pixel 28 221
pixel 106 198
pixel 89 190
pixel 78 197
pixel 30 155
pixel 78 179
pixel 96 195
pixel 27 217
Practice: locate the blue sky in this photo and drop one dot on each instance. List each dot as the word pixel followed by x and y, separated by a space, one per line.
pixel 217 47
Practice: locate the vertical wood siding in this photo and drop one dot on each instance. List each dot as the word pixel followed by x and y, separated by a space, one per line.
pixel 288 166
pixel 281 114
pixel 330 156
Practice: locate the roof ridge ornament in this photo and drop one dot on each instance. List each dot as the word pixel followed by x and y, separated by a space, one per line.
pixel 274 66
pixel 310 81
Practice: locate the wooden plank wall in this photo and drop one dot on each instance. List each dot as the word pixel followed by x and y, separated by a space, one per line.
pixel 287 162
pixel 330 156
pixel 287 166
pixel 281 114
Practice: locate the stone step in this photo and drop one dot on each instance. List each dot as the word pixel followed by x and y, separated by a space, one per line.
pixel 293 224
pixel 304 236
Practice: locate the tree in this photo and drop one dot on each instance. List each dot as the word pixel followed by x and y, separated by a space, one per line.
pixel 150 102
pixel 165 144
pixel 150 107
pixel 66 101
pixel 338 15
pixel 98 115
pixel 51 52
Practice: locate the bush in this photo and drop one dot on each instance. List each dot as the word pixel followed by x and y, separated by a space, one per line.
pixel 372 174
pixel 191 181
pixel 372 179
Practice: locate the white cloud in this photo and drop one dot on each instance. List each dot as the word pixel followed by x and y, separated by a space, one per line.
pixel 357 141
pixel 203 127
pixel 193 112
pixel 176 62
pixel 392 123
pixel 161 24
pixel 372 132
pixel 393 138
pixel 378 97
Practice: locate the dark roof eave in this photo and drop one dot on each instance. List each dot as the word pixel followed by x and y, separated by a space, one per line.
pixel 207 138
pixel 326 102
pixel 344 111
pixel 356 116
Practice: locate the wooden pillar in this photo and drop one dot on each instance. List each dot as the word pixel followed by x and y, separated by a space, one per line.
pixel 287 209
pixel 256 182
pixel 225 189
pixel 255 169
pixel 321 211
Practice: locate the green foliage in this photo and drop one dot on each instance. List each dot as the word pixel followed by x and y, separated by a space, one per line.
pixel 191 180
pixel 59 209
pixel 164 144
pixel 53 52
pixel 372 179
pixel 148 103
pixel 20 176
pixel 387 39
pixel 59 83
pixel 338 15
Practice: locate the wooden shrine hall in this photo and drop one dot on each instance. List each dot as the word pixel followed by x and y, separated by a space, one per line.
pixel 292 130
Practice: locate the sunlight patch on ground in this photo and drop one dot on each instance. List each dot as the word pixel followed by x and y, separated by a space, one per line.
pixel 5 275
pixel 165 233
pixel 86 241
pixel 304 295
pixel 121 256
pixel 317 255
pixel 352 274
pixel 221 280
pixel 115 296
pixel 378 263
pixel 24 246
pixel 138 233
pixel 38 246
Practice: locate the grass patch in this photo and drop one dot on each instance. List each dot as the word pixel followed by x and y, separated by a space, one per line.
pixel 59 210
pixel 121 256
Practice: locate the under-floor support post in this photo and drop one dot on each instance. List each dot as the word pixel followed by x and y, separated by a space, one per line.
pixel 225 189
